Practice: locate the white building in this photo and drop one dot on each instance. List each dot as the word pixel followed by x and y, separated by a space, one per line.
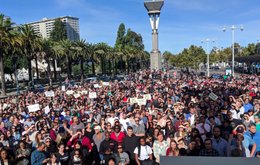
pixel 44 27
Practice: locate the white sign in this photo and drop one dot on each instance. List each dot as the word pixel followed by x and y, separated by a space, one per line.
pixel 63 88
pixel 141 101
pixel 84 92
pixel 76 95
pixel 69 92
pixel 105 83
pixel 49 94
pixel 33 108
pixel 213 96
pixel 147 97
pixel 97 86
pixel 47 110
pixel 92 95
pixel 133 100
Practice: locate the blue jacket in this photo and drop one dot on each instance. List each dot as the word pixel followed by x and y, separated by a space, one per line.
pixel 256 138
pixel 37 157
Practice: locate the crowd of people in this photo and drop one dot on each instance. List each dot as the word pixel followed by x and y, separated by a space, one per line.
pixel 134 121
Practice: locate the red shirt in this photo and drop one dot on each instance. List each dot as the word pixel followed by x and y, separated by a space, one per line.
pixel 85 142
pixel 118 138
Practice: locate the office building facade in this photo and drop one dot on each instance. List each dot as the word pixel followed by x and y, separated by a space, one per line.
pixel 44 27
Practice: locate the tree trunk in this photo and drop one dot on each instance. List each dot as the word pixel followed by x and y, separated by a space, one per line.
pixel 54 69
pixel 37 69
pixel 3 92
pixel 110 67
pixel 82 69
pixel 29 68
pixel 93 64
pixel 68 68
pixel 16 78
pixel 49 72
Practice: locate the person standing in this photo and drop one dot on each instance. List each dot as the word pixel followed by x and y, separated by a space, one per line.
pixel 208 150
pixel 159 147
pixel 143 152
pixel 218 142
pixel 130 142
pixel 38 156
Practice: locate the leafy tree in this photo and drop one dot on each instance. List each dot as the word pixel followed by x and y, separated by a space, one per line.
pixel 6 41
pixel 120 36
pixel 59 31
pixel 30 43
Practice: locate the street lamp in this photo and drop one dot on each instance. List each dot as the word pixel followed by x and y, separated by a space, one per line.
pixel 233 28
pixel 154 9
pixel 207 41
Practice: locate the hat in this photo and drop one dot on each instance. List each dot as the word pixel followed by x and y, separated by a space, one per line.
pixel 240 130
pixel 97 127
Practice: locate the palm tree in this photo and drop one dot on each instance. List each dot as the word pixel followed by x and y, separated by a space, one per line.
pixel 63 49
pixel 101 50
pixel 6 40
pixel 81 50
pixel 47 47
pixel 91 52
pixel 30 43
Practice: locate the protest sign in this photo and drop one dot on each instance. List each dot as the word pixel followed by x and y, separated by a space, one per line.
pixel 47 110
pixel 133 100
pixel 69 92
pixel 97 86
pixel 141 102
pixel 33 108
pixel 147 97
pixel 76 95
pixel 105 83
pixel 49 94
pixel 63 88
pixel 92 95
pixel 213 96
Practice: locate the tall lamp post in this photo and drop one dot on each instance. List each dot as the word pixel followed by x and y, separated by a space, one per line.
pixel 207 41
pixel 154 9
pixel 233 28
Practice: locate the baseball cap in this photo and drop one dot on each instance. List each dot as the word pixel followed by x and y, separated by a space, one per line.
pixel 97 127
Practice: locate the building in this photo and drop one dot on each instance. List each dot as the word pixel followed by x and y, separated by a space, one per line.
pixel 44 27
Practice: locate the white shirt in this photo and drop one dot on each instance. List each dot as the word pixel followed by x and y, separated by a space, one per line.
pixel 124 123
pixel 145 152
pixel 201 130
pixel 112 120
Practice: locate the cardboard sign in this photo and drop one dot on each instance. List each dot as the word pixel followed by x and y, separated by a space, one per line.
pixel 133 100
pixel 147 97
pixel 69 92
pixel 141 102
pixel 105 83
pixel 49 94
pixel 34 108
pixel 92 95
pixel 213 96
pixel 47 110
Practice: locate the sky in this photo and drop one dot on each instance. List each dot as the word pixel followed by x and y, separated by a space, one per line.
pixel 182 22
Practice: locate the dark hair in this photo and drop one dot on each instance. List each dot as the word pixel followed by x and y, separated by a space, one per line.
pixel 111 159
pixel 129 128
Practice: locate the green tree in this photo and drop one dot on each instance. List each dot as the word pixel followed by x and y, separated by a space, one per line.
pixel 59 31
pixel 6 41
pixel 30 44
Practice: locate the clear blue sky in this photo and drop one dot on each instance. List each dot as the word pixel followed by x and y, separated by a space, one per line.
pixel 182 23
